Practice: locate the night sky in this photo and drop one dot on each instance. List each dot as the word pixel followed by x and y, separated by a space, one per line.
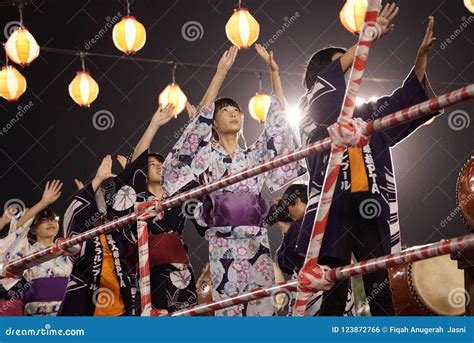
pixel 56 139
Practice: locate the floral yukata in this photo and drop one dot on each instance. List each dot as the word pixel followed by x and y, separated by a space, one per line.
pixel 46 282
pixel 239 251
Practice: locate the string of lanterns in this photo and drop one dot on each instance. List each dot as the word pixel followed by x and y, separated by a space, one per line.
pixel 129 36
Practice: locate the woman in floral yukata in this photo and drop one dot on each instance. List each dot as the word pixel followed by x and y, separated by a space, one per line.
pixel 208 151
pixel 34 231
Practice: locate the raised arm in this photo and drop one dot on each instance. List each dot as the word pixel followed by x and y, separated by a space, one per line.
pixel 422 56
pixel 225 63
pixel 274 72
pixel 160 118
pixel 384 24
pixel 51 193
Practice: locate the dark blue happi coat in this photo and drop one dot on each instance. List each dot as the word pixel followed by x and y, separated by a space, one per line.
pixel 320 107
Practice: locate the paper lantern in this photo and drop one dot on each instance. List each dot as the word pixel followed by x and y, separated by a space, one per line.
pixel 21 47
pixel 259 106
pixel 12 83
pixel 129 35
pixel 174 95
pixel 242 29
pixel 469 5
pixel 352 15
pixel 83 89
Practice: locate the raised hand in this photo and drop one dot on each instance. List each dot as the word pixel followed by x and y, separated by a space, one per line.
pixel 51 192
pixel 191 109
pixel 267 57
pixel 385 18
pixel 122 160
pixel 227 59
pixel 105 169
pixel 79 184
pixel 428 40
pixel 162 115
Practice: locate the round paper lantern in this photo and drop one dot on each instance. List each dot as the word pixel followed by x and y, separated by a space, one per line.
pixel 174 95
pixel 259 106
pixel 12 83
pixel 129 35
pixel 21 47
pixel 83 89
pixel 352 15
pixel 469 5
pixel 242 29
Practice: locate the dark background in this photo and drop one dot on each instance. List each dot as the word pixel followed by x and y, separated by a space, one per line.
pixel 57 139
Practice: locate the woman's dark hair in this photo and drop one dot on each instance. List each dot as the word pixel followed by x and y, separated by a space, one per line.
pixel 218 105
pixel 320 60
pixel 295 191
pixel 157 156
pixel 47 213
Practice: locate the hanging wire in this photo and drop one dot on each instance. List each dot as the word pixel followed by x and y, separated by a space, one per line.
pixel 240 3
pixel 6 55
pixel 82 55
pixel 20 9
pixel 128 7
pixel 260 83
pixel 173 71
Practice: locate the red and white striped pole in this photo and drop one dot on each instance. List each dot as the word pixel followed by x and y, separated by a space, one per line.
pixel 144 268
pixel 368 34
pixel 443 247
pixel 411 113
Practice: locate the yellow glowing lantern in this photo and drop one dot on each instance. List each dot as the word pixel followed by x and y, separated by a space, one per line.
pixel 259 106
pixel 469 5
pixel 83 89
pixel 242 29
pixel 174 95
pixel 12 83
pixel 129 35
pixel 352 15
pixel 21 47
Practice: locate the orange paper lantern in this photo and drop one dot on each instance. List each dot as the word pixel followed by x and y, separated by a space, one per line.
pixel 242 29
pixel 129 35
pixel 12 83
pixel 174 95
pixel 21 47
pixel 259 106
pixel 83 89
pixel 469 5
pixel 352 15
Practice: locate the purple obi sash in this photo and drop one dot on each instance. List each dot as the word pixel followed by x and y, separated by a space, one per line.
pixel 235 209
pixel 46 289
